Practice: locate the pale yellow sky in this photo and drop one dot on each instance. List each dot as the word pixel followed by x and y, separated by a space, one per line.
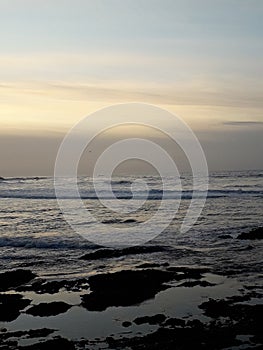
pixel 200 60
pixel 56 106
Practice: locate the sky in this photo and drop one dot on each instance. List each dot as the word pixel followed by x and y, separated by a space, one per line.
pixel 62 60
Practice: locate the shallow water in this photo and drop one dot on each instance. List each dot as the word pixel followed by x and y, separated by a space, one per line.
pixel 180 302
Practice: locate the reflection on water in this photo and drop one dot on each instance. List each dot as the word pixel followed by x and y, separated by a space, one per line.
pixel 179 302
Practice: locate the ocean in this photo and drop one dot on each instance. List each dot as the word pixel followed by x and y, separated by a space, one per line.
pixel 33 231
pixel 35 236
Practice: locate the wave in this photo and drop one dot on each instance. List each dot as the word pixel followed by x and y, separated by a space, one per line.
pixel 121 182
pixel 44 243
pixel 119 221
pixel 60 243
pixel 245 174
pixel 116 253
pixel 152 195
pixel 21 179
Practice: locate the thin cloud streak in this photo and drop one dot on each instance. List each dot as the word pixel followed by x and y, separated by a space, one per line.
pixel 244 123
pixel 191 94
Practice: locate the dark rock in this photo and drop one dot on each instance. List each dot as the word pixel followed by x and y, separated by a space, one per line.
pixel 257 339
pixel 188 272
pixel 12 279
pixel 111 221
pixel 115 253
pixel 32 333
pixel 126 324
pixel 124 288
pixel 129 221
pixel 49 309
pixel 151 265
pixel 11 305
pixel 247 318
pixel 9 345
pixel 256 233
pixel 239 298
pixel 197 324
pixel 152 320
pixel 179 338
pixel 225 237
pixel 216 308
pixel 39 333
pixel 174 322
pixel 56 343
pixel 52 287
pixel 189 284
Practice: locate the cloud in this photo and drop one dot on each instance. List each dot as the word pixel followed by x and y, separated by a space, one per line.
pixel 243 123
pixel 191 93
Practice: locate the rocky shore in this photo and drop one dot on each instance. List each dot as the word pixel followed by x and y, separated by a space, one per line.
pixel 228 322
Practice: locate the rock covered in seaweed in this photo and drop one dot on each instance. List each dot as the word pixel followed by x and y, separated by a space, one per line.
pixel 15 278
pixel 130 287
pixel 49 309
pixel 256 233
pixel 11 305
pixel 116 253
pixel 124 288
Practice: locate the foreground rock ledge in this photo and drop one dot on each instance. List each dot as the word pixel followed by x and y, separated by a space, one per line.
pixel 129 287
pixel 254 234
pixel 13 279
